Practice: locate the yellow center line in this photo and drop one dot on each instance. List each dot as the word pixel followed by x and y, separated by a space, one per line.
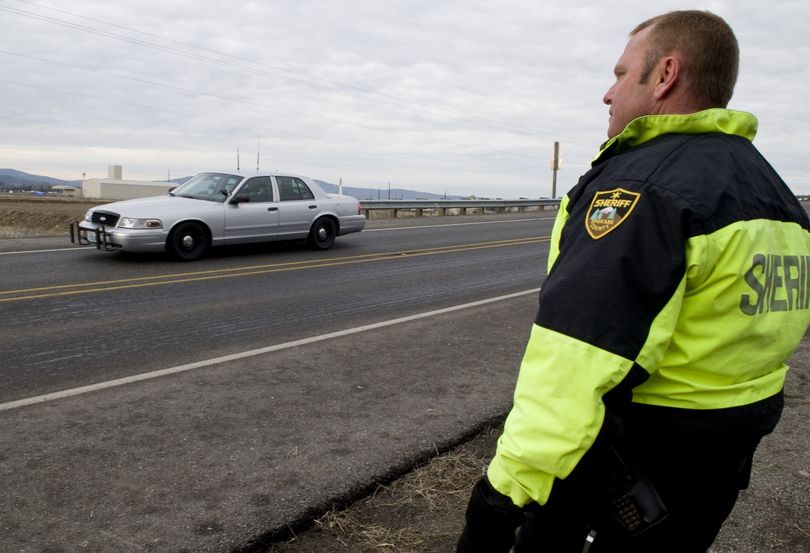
pixel 197 276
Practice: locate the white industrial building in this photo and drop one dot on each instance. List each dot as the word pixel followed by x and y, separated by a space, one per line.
pixel 115 188
pixel 69 191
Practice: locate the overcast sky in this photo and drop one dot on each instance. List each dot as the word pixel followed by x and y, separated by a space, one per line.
pixel 463 97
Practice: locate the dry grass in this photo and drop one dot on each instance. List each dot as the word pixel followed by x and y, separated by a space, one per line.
pixel 422 512
pixel 35 217
pixel 22 224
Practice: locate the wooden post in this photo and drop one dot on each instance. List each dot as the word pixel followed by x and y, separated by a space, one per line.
pixel 555 166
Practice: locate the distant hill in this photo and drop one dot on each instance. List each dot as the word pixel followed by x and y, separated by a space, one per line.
pixel 13 179
pixel 367 193
pixel 382 194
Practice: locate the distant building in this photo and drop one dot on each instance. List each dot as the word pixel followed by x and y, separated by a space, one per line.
pixel 70 191
pixel 115 188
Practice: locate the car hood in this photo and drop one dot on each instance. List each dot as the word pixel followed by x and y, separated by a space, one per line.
pixel 160 207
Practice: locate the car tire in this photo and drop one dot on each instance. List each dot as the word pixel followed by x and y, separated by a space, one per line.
pixel 188 241
pixel 322 234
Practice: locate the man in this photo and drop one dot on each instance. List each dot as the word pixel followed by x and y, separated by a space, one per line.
pixel 678 286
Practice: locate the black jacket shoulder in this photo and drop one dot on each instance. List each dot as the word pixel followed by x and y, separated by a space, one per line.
pixel 717 178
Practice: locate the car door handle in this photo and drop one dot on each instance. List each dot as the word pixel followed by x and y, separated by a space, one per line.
pixel 272 209
pixel 313 207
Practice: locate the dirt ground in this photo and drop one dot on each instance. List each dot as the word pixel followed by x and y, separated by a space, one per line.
pixel 30 217
pixel 422 512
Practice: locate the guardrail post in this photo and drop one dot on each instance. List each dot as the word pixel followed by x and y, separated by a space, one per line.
pixel 380 209
pixel 377 209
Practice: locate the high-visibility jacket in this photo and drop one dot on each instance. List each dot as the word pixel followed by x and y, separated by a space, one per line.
pixel 680 257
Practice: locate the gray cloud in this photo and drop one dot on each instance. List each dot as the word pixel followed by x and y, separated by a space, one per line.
pixel 464 97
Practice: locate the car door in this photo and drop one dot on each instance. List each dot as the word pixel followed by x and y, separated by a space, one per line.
pixel 251 215
pixel 298 207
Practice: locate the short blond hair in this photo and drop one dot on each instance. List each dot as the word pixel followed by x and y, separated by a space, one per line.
pixel 711 55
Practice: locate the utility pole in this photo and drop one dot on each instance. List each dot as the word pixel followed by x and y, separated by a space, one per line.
pixel 555 166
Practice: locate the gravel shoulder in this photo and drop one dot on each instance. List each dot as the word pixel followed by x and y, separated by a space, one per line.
pixel 423 512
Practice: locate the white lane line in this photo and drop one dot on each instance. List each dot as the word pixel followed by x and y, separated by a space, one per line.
pixel 76 249
pixel 245 354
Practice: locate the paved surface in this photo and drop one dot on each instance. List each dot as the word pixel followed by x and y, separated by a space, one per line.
pixel 202 462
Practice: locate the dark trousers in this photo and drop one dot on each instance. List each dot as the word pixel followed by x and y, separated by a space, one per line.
pixel 697 464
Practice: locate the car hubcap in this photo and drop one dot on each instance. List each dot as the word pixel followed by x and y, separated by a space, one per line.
pixel 322 233
pixel 188 242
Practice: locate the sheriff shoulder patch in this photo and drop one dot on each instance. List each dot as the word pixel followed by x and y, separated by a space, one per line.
pixel 608 210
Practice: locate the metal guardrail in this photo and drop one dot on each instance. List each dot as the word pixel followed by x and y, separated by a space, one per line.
pixel 441 207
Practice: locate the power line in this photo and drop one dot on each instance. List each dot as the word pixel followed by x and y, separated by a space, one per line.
pixel 191 91
pixel 481 121
pixel 331 87
pixel 196 116
pixel 231 100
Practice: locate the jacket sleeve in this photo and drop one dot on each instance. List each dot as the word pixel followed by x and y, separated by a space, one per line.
pixel 607 309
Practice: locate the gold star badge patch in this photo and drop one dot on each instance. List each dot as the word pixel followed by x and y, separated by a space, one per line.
pixel 608 210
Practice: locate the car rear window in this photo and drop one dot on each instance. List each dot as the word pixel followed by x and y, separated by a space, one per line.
pixel 292 188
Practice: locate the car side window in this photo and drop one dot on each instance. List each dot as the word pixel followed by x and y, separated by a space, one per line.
pixel 292 188
pixel 257 189
pixel 230 184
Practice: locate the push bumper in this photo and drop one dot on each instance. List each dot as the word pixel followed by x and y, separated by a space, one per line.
pixel 113 239
pixel 97 236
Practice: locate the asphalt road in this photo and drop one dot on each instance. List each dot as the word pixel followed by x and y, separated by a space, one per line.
pixel 259 385
pixel 73 317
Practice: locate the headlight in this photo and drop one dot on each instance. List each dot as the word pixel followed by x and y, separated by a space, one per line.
pixel 89 215
pixel 130 222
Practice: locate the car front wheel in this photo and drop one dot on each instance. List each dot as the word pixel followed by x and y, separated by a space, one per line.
pixel 322 234
pixel 188 241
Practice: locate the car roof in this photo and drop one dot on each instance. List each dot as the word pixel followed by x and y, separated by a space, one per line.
pixel 245 174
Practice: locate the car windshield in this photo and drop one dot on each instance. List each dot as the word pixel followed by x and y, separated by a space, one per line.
pixel 213 187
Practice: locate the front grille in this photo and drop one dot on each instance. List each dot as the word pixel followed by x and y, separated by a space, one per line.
pixel 105 218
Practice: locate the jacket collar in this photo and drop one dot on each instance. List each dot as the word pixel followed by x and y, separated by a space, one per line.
pixel 643 129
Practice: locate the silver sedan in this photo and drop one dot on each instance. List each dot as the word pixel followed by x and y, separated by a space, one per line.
pixel 214 209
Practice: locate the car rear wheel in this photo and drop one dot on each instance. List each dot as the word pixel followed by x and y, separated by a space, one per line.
pixel 322 234
pixel 189 241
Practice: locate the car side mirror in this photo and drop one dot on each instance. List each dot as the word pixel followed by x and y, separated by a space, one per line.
pixel 240 199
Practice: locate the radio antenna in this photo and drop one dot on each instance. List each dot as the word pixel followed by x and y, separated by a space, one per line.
pixel 258 149
pixel 237 160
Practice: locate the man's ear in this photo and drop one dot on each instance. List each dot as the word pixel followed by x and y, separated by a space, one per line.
pixel 668 73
